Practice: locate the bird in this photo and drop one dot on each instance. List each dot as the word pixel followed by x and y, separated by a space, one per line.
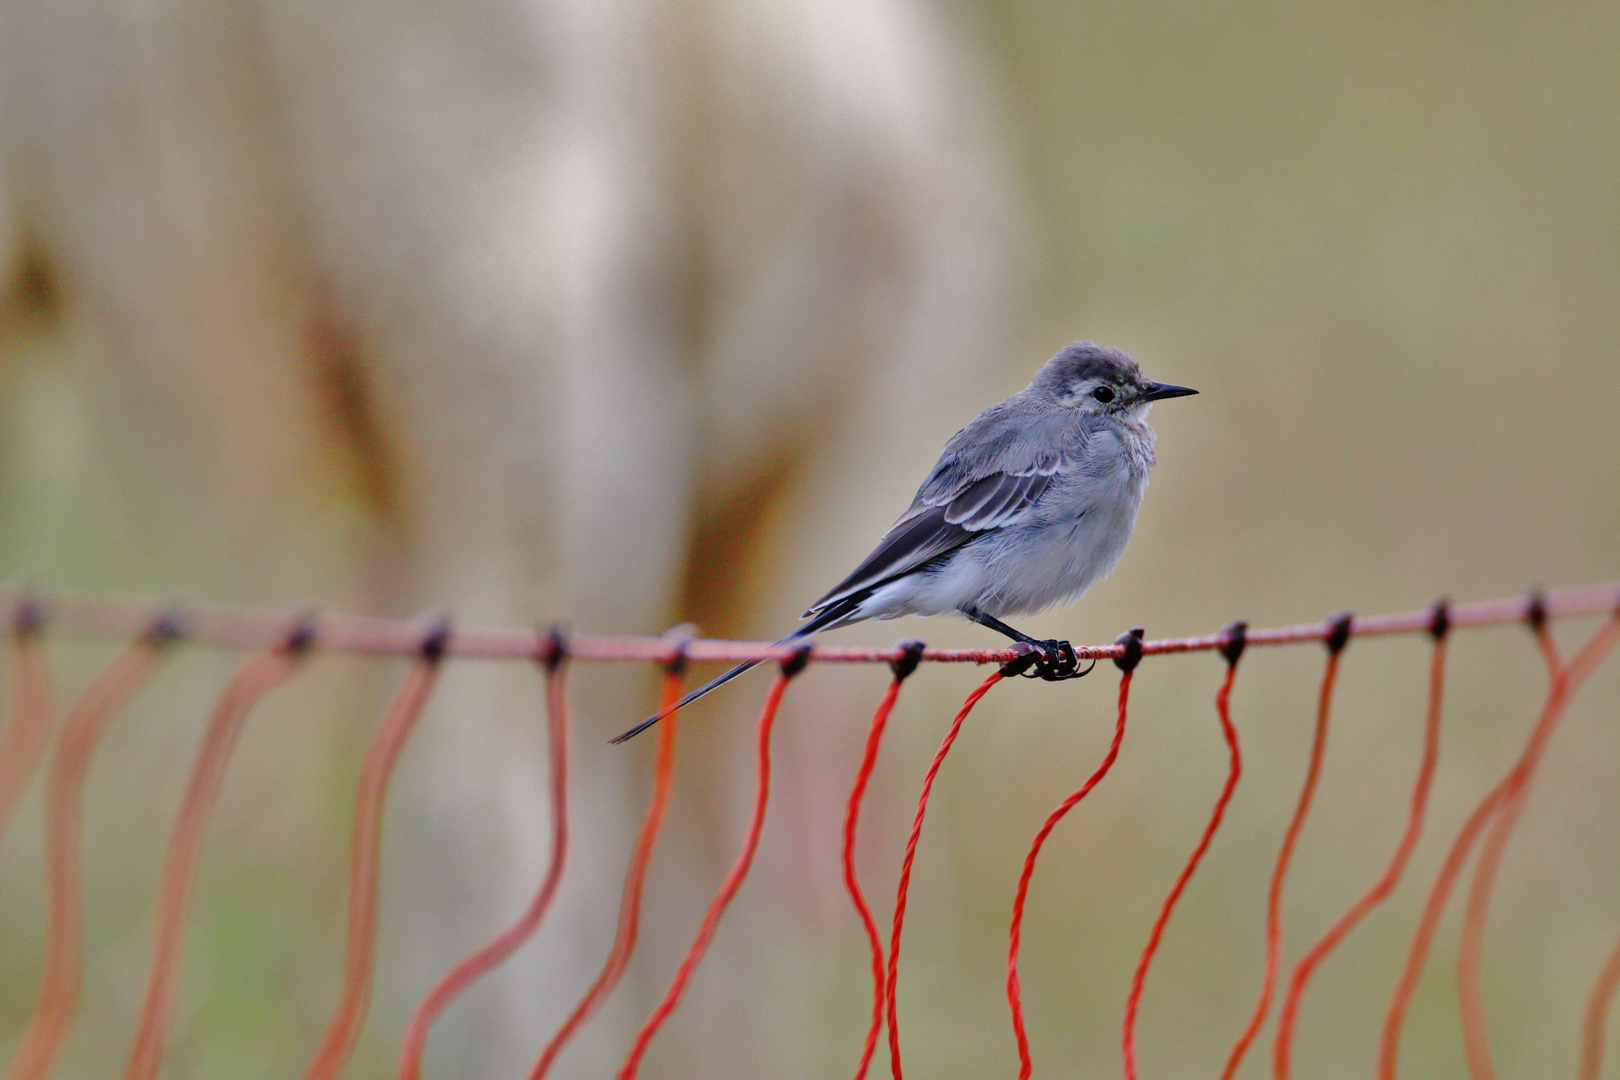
pixel 1028 506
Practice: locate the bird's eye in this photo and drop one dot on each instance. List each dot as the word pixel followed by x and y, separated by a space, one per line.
pixel 1103 394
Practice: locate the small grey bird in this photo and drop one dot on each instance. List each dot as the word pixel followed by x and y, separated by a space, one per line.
pixel 1028 506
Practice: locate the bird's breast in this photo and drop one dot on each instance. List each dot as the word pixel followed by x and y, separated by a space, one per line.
pixel 1078 533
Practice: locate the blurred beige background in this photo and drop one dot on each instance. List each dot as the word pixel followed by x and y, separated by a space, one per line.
pixel 1382 240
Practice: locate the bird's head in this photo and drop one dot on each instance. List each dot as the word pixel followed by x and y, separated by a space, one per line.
pixel 1097 379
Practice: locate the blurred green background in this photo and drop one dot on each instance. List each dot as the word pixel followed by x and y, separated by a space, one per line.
pixel 1383 241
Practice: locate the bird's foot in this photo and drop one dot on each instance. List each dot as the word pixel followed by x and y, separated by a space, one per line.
pixel 1057 663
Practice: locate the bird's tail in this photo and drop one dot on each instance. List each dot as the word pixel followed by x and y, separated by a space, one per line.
pixel 834 614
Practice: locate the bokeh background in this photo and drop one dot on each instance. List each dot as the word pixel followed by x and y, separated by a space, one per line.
pixel 1383 241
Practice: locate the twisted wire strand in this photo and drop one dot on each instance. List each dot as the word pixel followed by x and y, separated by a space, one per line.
pixel 89 717
pixel 733 880
pixel 252 681
pixel 359 952
pixel 1566 679
pixel 1015 933
pixel 852 885
pixel 1288 1017
pixel 26 737
pixel 902 890
pixel 624 941
pixel 1493 800
pixel 285 639
pixel 1597 1010
pixel 1285 855
pixel 1234 772
pixel 495 952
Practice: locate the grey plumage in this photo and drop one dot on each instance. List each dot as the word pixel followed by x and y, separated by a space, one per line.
pixel 1027 507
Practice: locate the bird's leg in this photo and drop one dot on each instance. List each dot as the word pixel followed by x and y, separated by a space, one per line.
pixel 1058 660
pixel 1002 628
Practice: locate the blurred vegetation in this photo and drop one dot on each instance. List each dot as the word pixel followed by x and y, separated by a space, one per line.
pixel 1383 240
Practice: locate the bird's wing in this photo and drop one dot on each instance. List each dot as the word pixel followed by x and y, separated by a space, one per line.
pixel 916 540
pixel 991 475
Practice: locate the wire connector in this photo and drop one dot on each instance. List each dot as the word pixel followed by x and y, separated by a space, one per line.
pixel 1234 639
pixel 677 662
pixel 553 648
pixel 678 637
pixel 301 637
pixel 906 663
pixel 28 618
pixel 1440 618
pixel 797 661
pixel 1131 642
pixel 1338 635
pixel 166 628
pixel 1535 609
pixel 436 641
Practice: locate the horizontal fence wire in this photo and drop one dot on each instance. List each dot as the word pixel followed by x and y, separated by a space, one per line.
pixel 222 626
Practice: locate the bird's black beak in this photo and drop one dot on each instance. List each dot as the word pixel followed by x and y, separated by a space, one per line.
pixel 1157 390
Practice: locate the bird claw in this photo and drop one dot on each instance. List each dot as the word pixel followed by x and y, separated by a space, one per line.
pixel 1057 662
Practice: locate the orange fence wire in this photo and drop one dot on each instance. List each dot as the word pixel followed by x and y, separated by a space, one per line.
pixel 1597 1010
pixel 1279 874
pixel 1015 999
pixel 251 682
pixel 285 639
pixel 1565 680
pixel 1288 1017
pixel 102 700
pixel 734 877
pixel 1232 651
pixel 551 653
pixel 624 940
pixel 852 816
pixel 25 739
pixel 902 891
pixel 217 626
pixel 364 867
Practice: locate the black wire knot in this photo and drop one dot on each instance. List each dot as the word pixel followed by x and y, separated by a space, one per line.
pixel 435 640
pixel 1131 642
pixel 906 663
pixel 31 614
pixel 1535 610
pixel 1234 639
pixel 1338 635
pixel 553 647
pixel 796 661
pixel 1440 619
